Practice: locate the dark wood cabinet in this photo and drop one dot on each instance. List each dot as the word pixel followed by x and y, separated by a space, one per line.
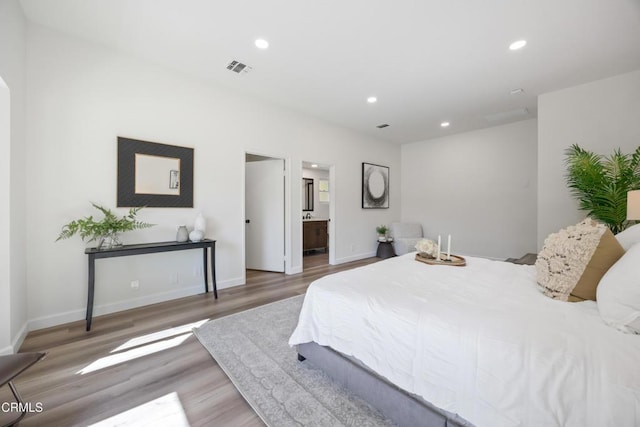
pixel 314 235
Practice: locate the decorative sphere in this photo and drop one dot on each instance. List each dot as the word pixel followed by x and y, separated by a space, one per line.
pixel 196 235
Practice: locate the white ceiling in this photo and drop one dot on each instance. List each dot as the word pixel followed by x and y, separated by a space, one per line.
pixel 319 166
pixel 426 61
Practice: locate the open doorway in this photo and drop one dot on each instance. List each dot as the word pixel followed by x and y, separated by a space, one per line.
pixel 264 213
pixel 316 215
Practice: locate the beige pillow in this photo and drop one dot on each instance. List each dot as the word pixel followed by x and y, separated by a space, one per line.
pixel 573 260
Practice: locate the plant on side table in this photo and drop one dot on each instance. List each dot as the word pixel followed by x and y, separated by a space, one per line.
pixel 382 232
pixel 106 230
pixel 600 184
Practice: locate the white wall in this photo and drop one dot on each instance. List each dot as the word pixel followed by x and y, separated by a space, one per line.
pixel 600 116
pixel 5 223
pixel 13 288
pixel 479 186
pixel 82 96
pixel 320 210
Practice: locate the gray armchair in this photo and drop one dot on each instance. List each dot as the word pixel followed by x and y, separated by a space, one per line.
pixel 405 236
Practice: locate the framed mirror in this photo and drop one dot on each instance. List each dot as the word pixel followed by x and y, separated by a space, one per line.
pixel 307 194
pixel 154 175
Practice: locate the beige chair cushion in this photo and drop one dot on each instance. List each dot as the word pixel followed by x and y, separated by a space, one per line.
pixel 405 236
pixel 573 260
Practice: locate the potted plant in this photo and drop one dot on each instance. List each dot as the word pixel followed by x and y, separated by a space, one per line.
pixel 600 184
pixel 382 232
pixel 106 230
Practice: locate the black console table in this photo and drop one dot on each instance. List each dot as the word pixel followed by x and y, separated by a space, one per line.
pixel 149 248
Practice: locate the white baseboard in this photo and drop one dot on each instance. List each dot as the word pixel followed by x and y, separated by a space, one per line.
pixel 229 283
pixel 79 314
pixel 295 270
pixel 355 257
pixel 19 339
pixel 16 342
pixel 56 319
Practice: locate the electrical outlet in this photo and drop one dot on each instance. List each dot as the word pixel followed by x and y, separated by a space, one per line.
pixel 173 278
pixel 352 248
pixel 135 284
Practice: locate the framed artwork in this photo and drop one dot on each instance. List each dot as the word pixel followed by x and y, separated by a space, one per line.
pixel 323 190
pixel 174 179
pixel 375 186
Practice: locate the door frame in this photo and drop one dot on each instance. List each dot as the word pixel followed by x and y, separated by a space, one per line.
pixel 287 209
pixel 332 216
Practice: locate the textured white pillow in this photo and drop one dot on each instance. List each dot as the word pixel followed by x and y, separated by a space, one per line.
pixel 618 293
pixel 629 236
pixel 573 260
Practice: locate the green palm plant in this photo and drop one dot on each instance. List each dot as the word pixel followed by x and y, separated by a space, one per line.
pixel 600 184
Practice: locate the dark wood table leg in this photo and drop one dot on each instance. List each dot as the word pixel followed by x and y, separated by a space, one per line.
pixel 91 286
pixel 205 269
pixel 213 269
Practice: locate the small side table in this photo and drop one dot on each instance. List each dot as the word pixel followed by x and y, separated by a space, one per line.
pixel 385 250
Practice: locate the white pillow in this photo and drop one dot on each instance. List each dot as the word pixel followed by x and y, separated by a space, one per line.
pixel 618 293
pixel 629 236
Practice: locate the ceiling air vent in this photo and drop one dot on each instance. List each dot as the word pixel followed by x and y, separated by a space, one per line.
pixel 504 116
pixel 238 67
pixel 382 126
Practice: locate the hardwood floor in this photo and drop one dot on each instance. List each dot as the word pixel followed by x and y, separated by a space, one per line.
pixel 314 259
pixel 89 377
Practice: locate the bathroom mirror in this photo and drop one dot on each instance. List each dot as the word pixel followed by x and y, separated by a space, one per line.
pixel 154 175
pixel 307 194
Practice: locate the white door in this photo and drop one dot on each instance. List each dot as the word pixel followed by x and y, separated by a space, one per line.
pixel 264 207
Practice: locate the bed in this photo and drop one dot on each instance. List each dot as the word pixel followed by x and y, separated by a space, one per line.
pixel 480 344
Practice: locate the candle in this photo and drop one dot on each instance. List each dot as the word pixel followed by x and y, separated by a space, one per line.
pixel 449 248
pixel 438 257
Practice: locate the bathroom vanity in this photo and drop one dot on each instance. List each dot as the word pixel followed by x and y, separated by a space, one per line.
pixel 314 234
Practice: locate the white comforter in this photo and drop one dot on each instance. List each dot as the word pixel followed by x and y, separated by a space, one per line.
pixel 480 341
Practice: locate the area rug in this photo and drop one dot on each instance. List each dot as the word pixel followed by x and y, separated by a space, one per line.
pixel 251 347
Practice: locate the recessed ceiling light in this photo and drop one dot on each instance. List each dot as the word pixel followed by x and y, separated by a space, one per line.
pixel 372 99
pixel 445 124
pixel 262 44
pixel 518 44
pixel 314 165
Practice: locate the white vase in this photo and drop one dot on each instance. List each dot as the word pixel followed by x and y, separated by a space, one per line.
pixel 196 235
pixel 200 224
pixel 183 234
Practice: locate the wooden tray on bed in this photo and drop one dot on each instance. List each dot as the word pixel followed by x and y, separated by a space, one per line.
pixel 455 261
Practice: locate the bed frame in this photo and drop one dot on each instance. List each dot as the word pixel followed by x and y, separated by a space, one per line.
pixel 399 406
